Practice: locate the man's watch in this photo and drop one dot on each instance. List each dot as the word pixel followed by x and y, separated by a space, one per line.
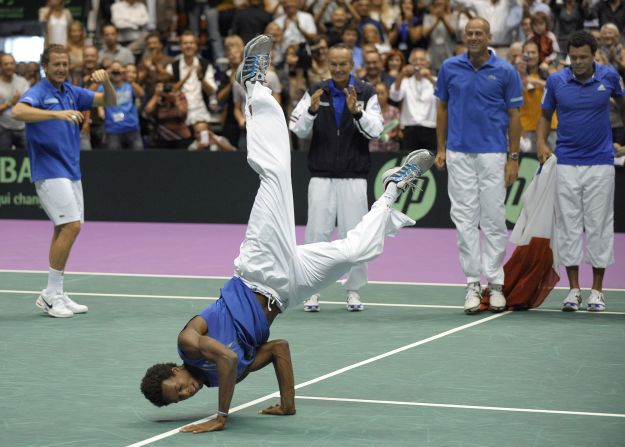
pixel 513 156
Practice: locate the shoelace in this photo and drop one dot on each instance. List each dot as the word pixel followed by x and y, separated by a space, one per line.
pixel 409 169
pixel 259 64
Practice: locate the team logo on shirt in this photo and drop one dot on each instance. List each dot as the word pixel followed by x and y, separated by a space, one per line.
pixel 601 88
pixel 50 101
pixel 492 77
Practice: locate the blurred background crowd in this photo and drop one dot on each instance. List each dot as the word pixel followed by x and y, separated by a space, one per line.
pixel 173 61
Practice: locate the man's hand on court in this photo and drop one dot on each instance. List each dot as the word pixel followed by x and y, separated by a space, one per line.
pixel 212 425
pixel 277 410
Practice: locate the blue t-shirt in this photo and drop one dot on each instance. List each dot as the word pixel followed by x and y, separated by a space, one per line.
pixel 54 146
pixel 584 132
pixel 478 102
pixel 122 117
pixel 237 320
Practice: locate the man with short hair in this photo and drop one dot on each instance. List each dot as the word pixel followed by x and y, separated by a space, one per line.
pixel 341 114
pixel 299 26
pixel 478 129
pixel 222 344
pixel 580 94
pixel 414 91
pixel 130 17
pixel 374 70
pixel 52 110
pixel 195 77
pixel 12 86
pixel 112 50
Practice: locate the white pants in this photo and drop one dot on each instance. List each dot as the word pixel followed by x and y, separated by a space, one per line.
pixel 585 201
pixel 269 261
pixel 61 199
pixel 477 193
pixel 340 201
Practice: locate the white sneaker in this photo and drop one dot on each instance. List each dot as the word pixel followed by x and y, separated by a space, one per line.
pixel 497 302
pixel 353 301
pixel 312 303
pixel 596 301
pixel 54 306
pixel 473 298
pixel 73 305
pixel 572 301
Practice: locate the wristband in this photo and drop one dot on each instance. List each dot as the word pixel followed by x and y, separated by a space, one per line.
pixel 222 413
pixel 357 115
pixel 311 112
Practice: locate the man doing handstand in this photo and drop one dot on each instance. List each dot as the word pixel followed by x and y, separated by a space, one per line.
pixel 225 342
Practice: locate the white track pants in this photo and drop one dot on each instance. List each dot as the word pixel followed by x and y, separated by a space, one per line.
pixel 477 193
pixel 585 200
pixel 269 261
pixel 340 201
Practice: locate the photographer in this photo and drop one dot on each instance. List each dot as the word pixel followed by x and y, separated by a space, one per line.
pixel 167 111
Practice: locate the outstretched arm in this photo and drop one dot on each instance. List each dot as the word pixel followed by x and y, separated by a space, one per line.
pixel 196 345
pixel 277 352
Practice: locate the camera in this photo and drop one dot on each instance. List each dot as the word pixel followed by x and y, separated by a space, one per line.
pixel 167 88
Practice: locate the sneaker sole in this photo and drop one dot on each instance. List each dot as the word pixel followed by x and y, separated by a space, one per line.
pixel 497 309
pixel 355 308
pixel 569 308
pixel 311 309
pixel 595 308
pixel 472 311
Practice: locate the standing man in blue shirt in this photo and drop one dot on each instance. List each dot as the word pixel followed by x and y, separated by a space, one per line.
pixel 580 94
pixel 52 112
pixel 478 128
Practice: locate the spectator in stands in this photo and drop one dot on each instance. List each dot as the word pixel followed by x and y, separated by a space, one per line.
pixel 504 17
pixel 75 45
pixel 92 129
pixel 548 48
pixel 210 9
pixel 250 20
pixel 414 91
pixel 298 26
pixel 514 52
pixel 339 158
pixel 440 27
pixel 130 17
pixel 275 31
pixel 55 20
pixel 294 85
pixel 153 62
pixel 375 70
pixel 319 70
pixel 350 39
pixel 121 122
pixel 394 62
pixel 89 65
pixel 195 77
pixel 371 36
pixel 339 20
pixel 362 17
pixel 383 12
pixel 33 73
pixel 407 31
pixel 610 11
pixel 167 111
pixel 389 139
pixel 112 50
pixel 226 84
pixel 534 80
pixel 12 86
pixel 569 17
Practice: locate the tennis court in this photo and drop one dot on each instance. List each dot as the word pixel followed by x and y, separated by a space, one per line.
pixel 410 370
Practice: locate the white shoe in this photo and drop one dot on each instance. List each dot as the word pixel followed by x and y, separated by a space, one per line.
pixel 572 301
pixel 596 301
pixel 54 306
pixel 353 301
pixel 73 305
pixel 497 302
pixel 473 298
pixel 312 303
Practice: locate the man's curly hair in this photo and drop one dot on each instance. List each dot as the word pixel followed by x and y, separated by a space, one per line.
pixel 152 383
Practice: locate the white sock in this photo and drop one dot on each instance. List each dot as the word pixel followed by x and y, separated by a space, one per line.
pixel 391 193
pixel 55 281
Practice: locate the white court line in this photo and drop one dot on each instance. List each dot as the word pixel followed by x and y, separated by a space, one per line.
pixel 336 303
pixel 327 376
pixel 465 407
pixel 147 275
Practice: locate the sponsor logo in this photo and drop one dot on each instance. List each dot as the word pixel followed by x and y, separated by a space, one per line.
pixel 601 88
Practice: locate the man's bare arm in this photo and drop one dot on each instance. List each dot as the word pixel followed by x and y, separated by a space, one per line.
pixel 543 151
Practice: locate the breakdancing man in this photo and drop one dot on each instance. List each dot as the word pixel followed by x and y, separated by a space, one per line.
pixel 225 342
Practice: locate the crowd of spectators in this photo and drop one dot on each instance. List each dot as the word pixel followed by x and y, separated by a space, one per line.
pixel 173 61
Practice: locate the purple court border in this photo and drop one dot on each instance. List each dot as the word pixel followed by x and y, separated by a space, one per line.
pixel 415 255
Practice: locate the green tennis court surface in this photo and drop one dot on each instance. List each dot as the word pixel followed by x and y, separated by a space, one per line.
pixel 411 370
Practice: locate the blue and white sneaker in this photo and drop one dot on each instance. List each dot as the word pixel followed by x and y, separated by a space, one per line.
pixel 572 301
pixel 416 164
pixel 596 301
pixel 255 60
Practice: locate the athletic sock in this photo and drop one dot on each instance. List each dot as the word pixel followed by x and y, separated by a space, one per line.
pixel 391 193
pixel 55 281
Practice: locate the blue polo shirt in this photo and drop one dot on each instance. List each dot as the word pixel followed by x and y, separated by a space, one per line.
pixel 54 146
pixel 584 132
pixel 478 102
pixel 123 117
